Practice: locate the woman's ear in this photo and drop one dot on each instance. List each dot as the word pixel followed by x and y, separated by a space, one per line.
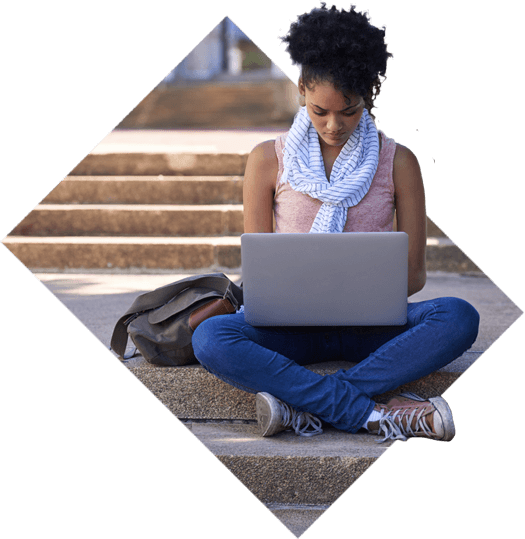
pixel 302 93
pixel 302 89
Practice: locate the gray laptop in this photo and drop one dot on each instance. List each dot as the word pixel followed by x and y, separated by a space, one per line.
pixel 348 279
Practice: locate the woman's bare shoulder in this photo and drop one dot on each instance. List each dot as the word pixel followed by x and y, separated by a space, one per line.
pixel 259 187
pixel 263 155
pixel 262 166
pixel 404 156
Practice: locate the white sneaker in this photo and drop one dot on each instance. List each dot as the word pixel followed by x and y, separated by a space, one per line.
pixel 274 416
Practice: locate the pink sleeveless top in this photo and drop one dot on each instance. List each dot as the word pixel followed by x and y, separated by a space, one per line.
pixel 295 212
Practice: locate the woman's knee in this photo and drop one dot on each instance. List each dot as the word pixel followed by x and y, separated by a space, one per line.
pixel 211 336
pixel 464 317
pixel 214 345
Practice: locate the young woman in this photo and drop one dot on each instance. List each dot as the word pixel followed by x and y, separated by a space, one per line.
pixel 334 172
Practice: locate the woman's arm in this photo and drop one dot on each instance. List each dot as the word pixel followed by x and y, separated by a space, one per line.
pixel 411 214
pixel 259 188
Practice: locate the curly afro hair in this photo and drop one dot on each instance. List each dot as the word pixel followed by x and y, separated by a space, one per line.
pixel 340 47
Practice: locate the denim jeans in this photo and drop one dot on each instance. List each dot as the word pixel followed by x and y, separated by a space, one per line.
pixel 271 359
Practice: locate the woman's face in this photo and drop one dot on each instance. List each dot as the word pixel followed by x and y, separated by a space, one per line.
pixel 333 117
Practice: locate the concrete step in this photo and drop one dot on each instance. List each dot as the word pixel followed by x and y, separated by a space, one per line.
pixel 290 469
pixel 139 220
pixel 159 190
pixel 130 253
pixel 297 478
pixel 297 518
pixel 180 253
pixel 132 220
pixel 84 219
pixel 186 140
pixel 161 162
pixel 147 190
pixel 220 105
pixel 167 190
pixel 191 392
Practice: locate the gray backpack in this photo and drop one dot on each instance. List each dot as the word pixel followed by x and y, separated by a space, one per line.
pixel 161 323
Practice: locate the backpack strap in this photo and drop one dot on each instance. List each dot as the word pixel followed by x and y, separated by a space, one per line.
pixel 160 296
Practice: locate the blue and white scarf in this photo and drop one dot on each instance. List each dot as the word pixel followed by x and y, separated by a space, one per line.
pixel 350 177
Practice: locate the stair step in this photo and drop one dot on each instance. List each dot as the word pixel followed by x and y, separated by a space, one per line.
pixel 444 255
pixel 114 190
pixel 132 220
pixel 147 190
pixel 145 219
pixel 165 163
pixel 191 392
pixel 283 468
pixel 131 253
pixel 268 102
pixel 297 518
pixel 182 253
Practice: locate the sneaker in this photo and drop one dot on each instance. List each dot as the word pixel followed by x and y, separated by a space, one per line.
pixel 409 415
pixel 274 416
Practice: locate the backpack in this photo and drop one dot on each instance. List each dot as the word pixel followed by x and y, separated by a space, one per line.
pixel 161 323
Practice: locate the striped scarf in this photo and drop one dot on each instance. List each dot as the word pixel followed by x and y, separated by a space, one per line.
pixel 351 174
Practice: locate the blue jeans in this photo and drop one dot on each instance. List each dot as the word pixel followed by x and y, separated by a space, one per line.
pixel 271 359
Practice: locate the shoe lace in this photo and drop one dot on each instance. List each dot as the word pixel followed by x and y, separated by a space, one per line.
pixel 397 425
pixel 303 423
